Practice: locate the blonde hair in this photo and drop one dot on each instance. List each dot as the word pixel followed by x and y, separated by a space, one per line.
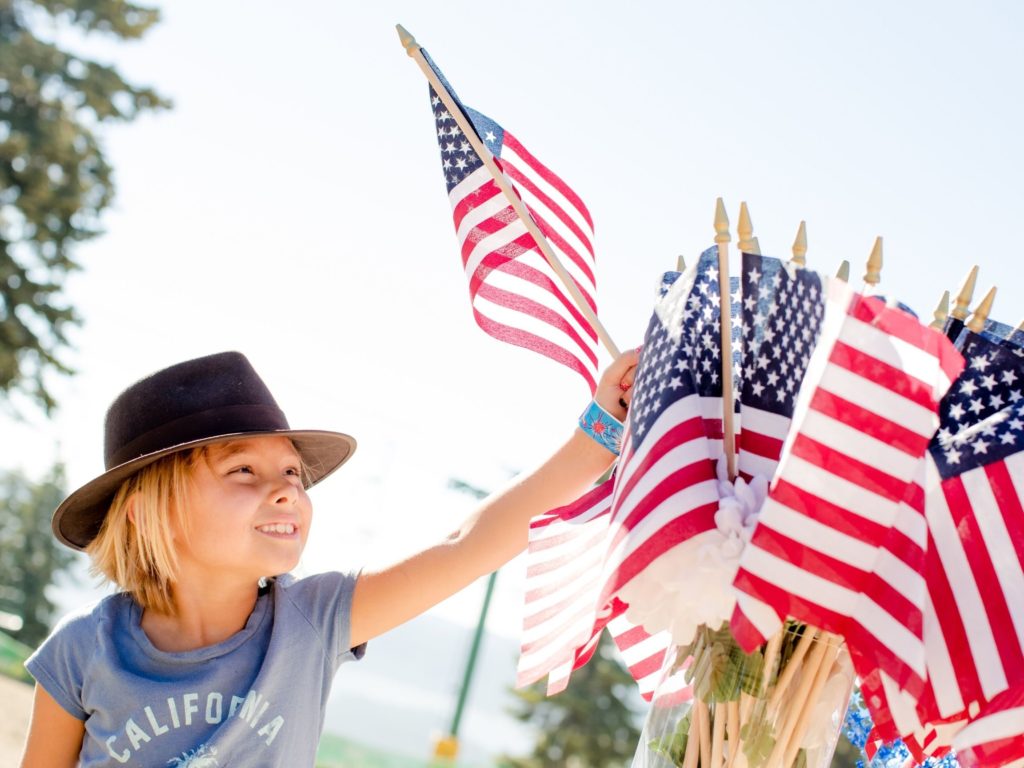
pixel 135 546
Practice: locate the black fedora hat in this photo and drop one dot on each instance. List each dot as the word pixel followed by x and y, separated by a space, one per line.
pixel 207 400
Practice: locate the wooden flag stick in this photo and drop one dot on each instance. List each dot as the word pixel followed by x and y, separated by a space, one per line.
pixel 705 732
pixel 873 273
pixel 725 321
pixel 964 295
pixel 941 312
pixel 982 311
pixel 807 677
pixel 680 264
pixel 747 243
pixel 808 704
pixel 733 730
pixel 718 735
pixel 414 51
pixel 843 273
pixel 692 754
pixel 800 246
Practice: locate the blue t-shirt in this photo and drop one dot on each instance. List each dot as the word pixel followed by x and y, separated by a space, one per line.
pixel 255 700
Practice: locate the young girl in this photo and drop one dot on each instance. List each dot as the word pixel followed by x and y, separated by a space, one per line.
pixel 212 655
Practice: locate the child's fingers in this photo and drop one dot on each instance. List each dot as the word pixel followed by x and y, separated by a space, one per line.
pixel 615 389
pixel 622 369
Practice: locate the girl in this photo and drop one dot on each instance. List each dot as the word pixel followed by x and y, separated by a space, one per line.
pixel 212 655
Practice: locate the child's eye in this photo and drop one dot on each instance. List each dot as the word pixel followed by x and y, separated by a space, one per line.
pixel 245 469
pixel 293 471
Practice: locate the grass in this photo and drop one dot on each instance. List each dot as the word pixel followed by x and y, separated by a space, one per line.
pixel 337 752
pixel 12 658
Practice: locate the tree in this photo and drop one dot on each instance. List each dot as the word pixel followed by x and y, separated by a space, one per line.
pixel 30 557
pixel 54 178
pixel 592 724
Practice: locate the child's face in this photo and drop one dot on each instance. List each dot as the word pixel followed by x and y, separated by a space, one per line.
pixel 247 512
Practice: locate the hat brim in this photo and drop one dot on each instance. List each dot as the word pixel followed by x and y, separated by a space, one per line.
pixel 78 518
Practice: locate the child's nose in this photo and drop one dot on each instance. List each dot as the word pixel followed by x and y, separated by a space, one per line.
pixel 285 493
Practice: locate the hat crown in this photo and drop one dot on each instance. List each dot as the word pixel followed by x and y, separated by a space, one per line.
pixel 219 394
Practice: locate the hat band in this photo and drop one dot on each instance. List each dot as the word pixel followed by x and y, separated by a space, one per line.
pixel 215 422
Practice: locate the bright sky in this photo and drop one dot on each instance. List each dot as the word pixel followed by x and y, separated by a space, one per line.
pixel 291 207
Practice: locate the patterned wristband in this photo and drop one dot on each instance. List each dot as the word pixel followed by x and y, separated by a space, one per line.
pixel 604 428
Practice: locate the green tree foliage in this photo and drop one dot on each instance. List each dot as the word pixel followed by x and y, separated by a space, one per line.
pixel 54 179
pixel 30 557
pixel 591 724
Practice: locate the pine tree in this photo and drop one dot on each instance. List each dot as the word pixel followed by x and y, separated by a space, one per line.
pixel 30 557
pixel 54 178
pixel 592 724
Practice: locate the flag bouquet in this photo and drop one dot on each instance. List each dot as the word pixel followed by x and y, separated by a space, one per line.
pixel 738 686
pixel 814 490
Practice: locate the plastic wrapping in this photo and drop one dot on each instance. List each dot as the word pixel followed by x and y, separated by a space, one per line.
pixel 781 706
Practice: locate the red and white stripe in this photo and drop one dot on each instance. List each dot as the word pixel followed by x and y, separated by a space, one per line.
pixel 976 582
pixel 561 622
pixel 665 493
pixel 644 655
pixel 515 293
pixel 993 739
pixel 840 538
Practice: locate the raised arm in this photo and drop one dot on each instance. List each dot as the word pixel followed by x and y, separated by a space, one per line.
pixel 54 736
pixel 496 532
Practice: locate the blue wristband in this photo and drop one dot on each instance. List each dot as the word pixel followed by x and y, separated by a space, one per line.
pixel 604 428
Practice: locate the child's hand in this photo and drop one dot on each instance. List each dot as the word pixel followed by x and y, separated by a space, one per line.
pixel 615 387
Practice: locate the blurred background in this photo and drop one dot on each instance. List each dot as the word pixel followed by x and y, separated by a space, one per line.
pixel 189 177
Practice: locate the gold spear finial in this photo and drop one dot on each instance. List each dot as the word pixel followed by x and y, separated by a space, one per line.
pixel 982 311
pixel 800 246
pixel 873 275
pixel 941 312
pixel 721 223
pixel 843 273
pixel 965 294
pixel 745 229
pixel 407 40
pixel 680 264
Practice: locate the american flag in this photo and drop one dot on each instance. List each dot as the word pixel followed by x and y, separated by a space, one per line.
pixel 515 294
pixel 700 336
pixel 665 489
pixel 782 310
pixel 975 633
pixel 783 307
pixel 840 540
pixel 562 620
pixel 579 555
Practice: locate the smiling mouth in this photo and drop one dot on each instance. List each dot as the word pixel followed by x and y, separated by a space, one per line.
pixel 278 529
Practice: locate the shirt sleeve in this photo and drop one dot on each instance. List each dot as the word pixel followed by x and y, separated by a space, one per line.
pixel 59 665
pixel 325 600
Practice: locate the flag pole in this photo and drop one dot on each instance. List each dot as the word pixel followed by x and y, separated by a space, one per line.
pixel 941 312
pixel 964 295
pixel 873 270
pixel 976 322
pixel 414 51
pixel 745 229
pixel 725 322
pixel 800 246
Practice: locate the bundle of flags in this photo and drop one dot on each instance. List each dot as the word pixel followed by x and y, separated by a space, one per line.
pixel 895 516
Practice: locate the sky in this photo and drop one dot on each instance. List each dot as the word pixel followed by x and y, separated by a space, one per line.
pixel 291 206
